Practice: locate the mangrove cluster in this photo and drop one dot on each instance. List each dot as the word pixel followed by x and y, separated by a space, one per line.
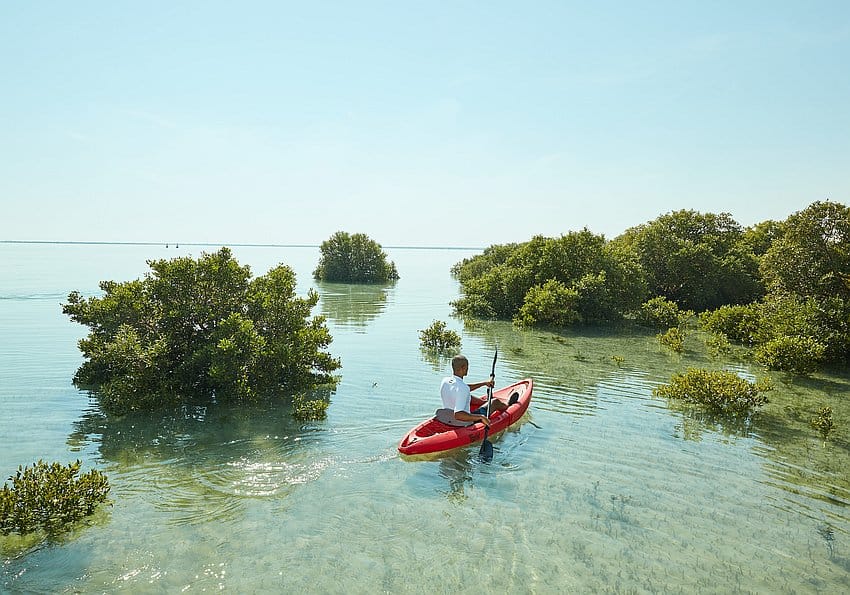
pixel 198 329
pixel 780 287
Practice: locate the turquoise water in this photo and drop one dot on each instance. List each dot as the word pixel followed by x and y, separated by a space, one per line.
pixel 600 488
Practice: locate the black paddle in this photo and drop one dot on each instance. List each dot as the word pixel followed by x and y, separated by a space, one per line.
pixel 486 452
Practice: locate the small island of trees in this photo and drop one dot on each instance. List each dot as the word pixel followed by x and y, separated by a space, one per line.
pixel 354 258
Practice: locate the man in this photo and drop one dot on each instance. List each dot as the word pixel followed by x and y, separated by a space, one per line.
pixel 456 395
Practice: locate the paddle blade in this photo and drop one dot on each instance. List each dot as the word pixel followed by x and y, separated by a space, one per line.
pixel 486 452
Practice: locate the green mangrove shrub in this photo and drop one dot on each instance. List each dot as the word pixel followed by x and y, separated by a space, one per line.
pixel 825 319
pixel 49 497
pixel 193 329
pixel 673 339
pixel 659 312
pixel 718 344
pixel 306 409
pixel 738 323
pixel 823 422
pixel 810 257
pixel 439 338
pixel 475 266
pixel 354 258
pixel 807 271
pixel 800 355
pixel 717 390
pixel 580 268
pixel 701 261
pixel 768 325
pixel 553 303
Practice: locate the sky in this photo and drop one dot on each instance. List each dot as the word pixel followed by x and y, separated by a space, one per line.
pixel 418 123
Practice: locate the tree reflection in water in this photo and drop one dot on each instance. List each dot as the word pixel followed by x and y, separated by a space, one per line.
pixel 352 304
pixel 440 362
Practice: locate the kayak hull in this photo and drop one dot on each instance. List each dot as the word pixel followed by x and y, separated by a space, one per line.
pixel 434 436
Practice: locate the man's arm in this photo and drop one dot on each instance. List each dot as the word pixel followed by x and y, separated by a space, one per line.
pixel 477 385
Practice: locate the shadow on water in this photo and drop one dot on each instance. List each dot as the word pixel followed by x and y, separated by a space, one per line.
pixel 450 474
pixel 457 471
pixel 197 463
pixel 353 304
pixel 453 473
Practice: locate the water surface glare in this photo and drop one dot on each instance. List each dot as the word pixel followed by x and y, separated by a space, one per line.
pixel 600 488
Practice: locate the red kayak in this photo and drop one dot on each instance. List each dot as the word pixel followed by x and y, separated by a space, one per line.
pixel 435 436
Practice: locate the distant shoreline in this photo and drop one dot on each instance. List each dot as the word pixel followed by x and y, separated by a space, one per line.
pixel 204 244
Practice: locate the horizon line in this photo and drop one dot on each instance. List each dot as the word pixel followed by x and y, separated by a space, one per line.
pixel 223 244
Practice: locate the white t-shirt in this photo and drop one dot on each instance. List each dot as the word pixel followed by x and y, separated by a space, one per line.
pixel 455 394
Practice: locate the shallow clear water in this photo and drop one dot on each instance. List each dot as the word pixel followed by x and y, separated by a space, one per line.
pixel 601 487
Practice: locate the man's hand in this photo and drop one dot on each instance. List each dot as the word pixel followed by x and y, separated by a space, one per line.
pixel 484 420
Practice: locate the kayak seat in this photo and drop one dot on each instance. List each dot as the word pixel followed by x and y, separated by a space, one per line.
pixel 514 398
pixel 434 426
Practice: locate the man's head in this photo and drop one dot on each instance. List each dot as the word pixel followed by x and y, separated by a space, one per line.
pixel 460 365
